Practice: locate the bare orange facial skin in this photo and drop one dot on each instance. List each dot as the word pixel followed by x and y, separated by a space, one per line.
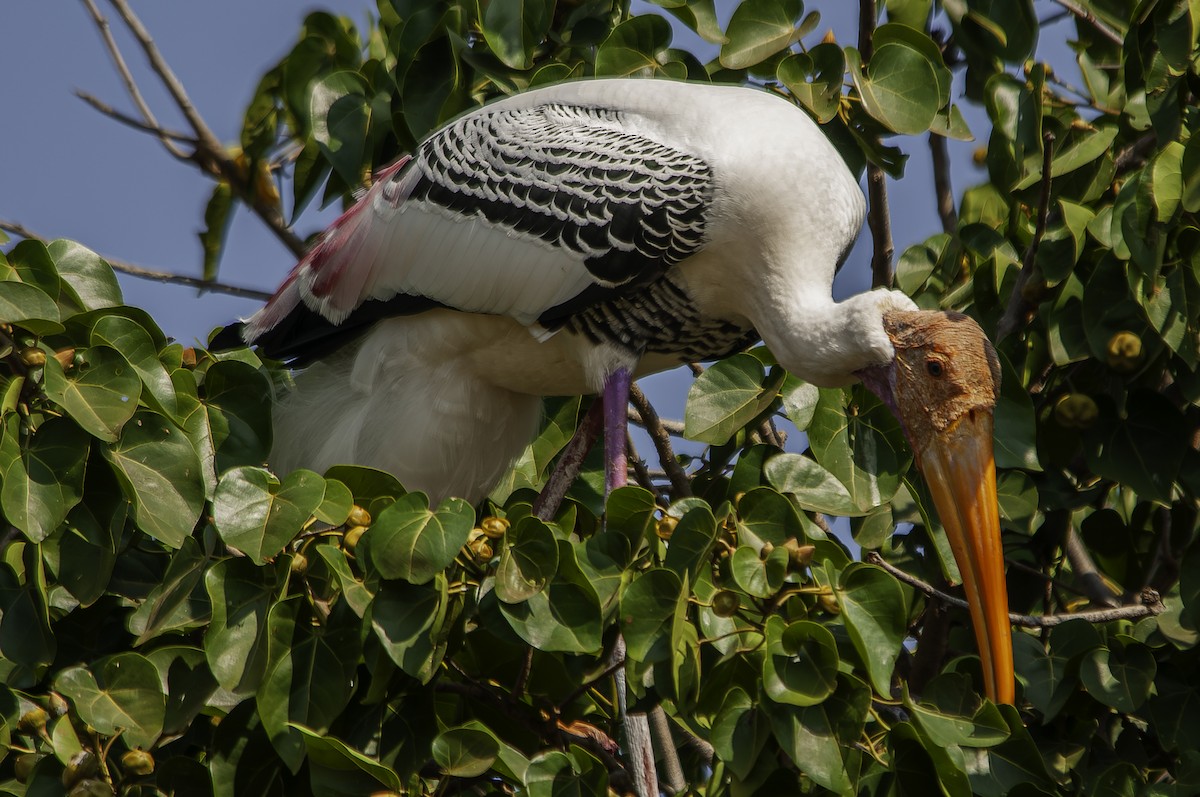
pixel 945 382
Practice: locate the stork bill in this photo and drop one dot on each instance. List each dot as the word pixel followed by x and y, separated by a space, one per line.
pixel 564 240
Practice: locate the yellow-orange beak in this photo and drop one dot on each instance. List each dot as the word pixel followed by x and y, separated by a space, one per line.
pixel 961 473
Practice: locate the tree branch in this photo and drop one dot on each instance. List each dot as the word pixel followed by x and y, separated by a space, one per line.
pixel 878 219
pixel 674 428
pixel 1018 306
pixel 127 78
pixel 1086 572
pixel 1149 605
pixel 151 274
pixel 941 183
pixel 146 127
pixel 1090 18
pixel 680 485
pixel 546 505
pixel 209 154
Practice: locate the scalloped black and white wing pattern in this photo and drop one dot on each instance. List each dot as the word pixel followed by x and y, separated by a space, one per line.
pixel 537 213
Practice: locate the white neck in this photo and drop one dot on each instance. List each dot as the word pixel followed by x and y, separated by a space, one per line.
pixel 825 342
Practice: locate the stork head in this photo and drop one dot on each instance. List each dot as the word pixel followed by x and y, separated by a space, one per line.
pixel 943 384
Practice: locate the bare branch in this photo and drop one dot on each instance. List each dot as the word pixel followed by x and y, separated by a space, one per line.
pixel 1018 306
pixel 1086 572
pixel 550 499
pixel 1090 18
pixel 209 154
pixel 680 485
pixel 878 219
pixel 660 729
pixel 151 274
pixel 1149 605
pixel 640 474
pixel 674 428
pixel 127 77
pixel 941 183
pixel 137 124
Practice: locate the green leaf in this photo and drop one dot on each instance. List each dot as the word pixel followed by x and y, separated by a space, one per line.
pixel 647 609
pixel 1015 435
pixel 692 541
pixel 101 394
pixel 638 46
pixel 1144 449
pixel 29 307
pixel 995 771
pixel 465 752
pixel 119 693
pixel 863 448
pixel 406 618
pixel 26 638
pixel 726 397
pixel 758 575
pixel 814 737
pixel 410 541
pixel 815 79
pixel 332 754
pixel 565 617
pixel 87 278
pixel 257 515
pixel 42 481
pixel 801 664
pixel 1120 676
pixel 311 676
pixel 900 87
pixel 136 346
pixel 235 642
pixel 758 29
pixel 339 115
pixel 514 28
pixel 813 487
pixel 876 616
pixel 528 560
pixel 217 217
pixel 160 474
pixel 799 400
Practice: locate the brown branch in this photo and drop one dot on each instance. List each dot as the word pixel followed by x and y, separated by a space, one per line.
pixel 638 465
pixel 131 86
pixel 680 485
pixel 674 428
pixel 151 274
pixel 1018 306
pixel 660 729
pixel 878 220
pixel 1090 18
pixel 1135 153
pixel 137 124
pixel 1086 572
pixel 209 155
pixel 941 183
pixel 546 505
pixel 1149 605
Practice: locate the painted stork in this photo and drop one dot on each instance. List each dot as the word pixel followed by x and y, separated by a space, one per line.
pixel 562 241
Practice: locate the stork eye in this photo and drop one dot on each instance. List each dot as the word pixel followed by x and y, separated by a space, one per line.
pixel 935 368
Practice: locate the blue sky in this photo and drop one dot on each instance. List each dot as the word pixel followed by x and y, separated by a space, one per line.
pixel 66 171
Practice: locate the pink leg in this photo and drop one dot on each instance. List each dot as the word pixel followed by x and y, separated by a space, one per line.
pixel 616 404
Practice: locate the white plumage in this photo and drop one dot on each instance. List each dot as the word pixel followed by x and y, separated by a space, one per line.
pixel 538 244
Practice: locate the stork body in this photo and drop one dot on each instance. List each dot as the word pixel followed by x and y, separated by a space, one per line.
pixel 559 241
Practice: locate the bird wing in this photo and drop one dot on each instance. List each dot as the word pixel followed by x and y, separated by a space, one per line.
pixel 533 212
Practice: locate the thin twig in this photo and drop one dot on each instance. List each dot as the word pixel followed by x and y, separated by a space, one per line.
pixel 1149 606
pixel 638 465
pixel 941 183
pixel 878 219
pixel 674 428
pixel 1135 153
pixel 680 485
pixel 151 274
pixel 1018 306
pixel 137 124
pixel 1086 572
pixel 127 78
pixel 546 505
pixel 1090 18
pixel 209 154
